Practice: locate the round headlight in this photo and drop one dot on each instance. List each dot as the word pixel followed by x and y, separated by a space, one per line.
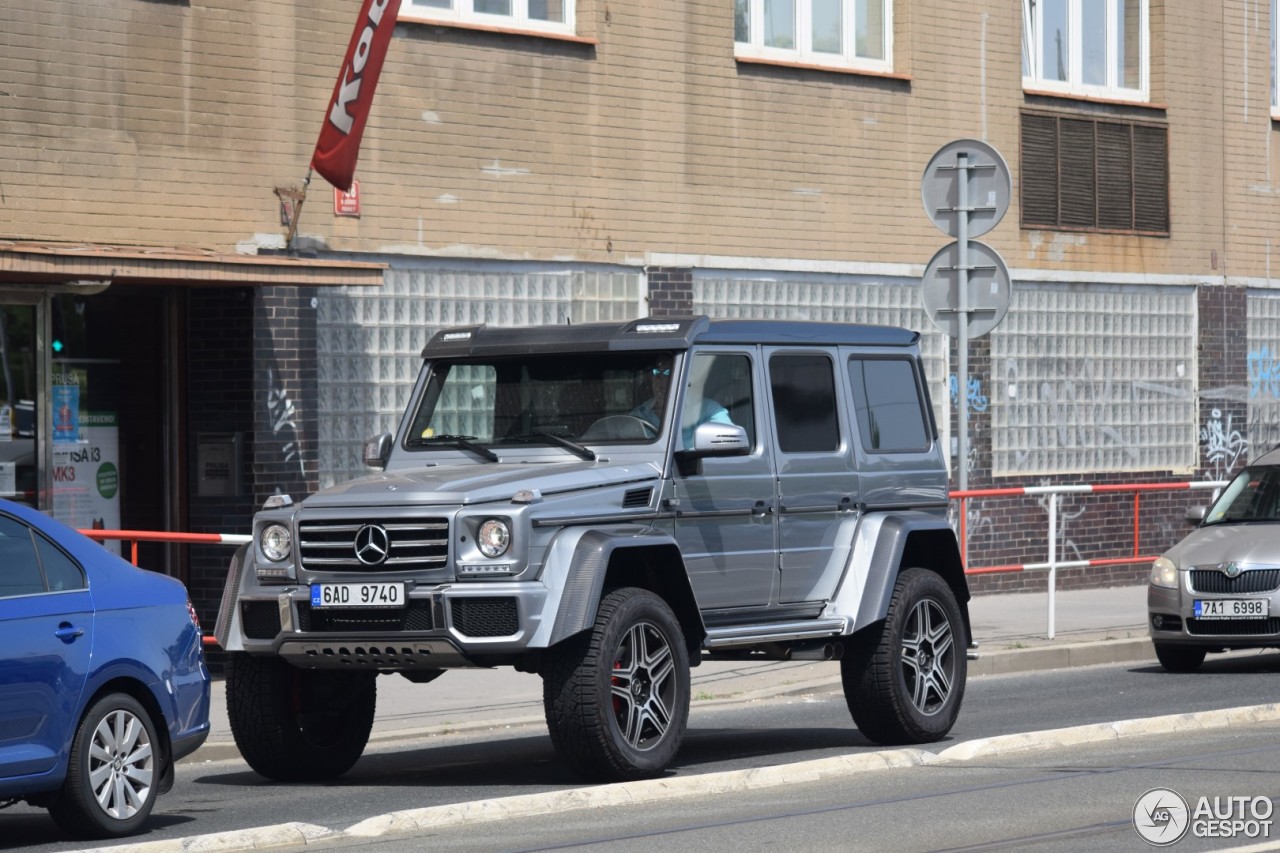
pixel 1164 573
pixel 493 538
pixel 276 542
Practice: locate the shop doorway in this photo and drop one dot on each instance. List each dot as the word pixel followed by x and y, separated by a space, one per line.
pixel 116 419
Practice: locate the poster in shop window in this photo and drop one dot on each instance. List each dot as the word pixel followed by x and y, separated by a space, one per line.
pixel 86 459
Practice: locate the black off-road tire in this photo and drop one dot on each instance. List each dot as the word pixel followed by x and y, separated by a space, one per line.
pixel 1177 658
pixel 297 725
pixel 116 739
pixel 615 716
pixel 904 678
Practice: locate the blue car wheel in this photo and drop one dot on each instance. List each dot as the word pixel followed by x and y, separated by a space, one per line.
pixel 114 771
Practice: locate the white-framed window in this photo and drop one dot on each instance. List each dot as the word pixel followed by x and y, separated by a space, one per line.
pixel 549 16
pixel 852 34
pixel 1086 47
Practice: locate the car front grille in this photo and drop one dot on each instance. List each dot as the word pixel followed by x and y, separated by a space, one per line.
pixel 1252 580
pixel 415 617
pixel 1233 627
pixel 413 545
pixel 485 617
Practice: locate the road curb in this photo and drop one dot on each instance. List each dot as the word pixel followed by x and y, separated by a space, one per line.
pixel 1094 653
pixel 258 838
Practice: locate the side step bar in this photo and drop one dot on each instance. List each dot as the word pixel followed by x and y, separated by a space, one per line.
pixel 747 635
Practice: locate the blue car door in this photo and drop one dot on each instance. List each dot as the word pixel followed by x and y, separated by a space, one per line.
pixel 46 631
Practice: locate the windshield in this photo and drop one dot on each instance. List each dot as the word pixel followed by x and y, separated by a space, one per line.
pixel 1254 495
pixel 537 399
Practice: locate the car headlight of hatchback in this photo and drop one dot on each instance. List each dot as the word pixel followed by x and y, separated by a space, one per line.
pixel 493 537
pixel 1164 573
pixel 277 544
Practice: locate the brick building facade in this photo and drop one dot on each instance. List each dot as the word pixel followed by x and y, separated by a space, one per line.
pixel 661 156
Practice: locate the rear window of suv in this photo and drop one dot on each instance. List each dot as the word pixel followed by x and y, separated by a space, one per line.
pixel 886 396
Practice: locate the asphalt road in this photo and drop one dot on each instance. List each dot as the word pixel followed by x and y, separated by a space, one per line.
pixel 225 795
pixel 1047 801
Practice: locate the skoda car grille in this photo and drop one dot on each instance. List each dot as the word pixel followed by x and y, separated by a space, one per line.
pixel 1250 580
pixel 403 545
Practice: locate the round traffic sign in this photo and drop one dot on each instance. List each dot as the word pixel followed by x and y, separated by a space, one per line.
pixel 988 191
pixel 986 297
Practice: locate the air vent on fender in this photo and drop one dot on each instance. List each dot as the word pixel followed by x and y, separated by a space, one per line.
pixel 637 498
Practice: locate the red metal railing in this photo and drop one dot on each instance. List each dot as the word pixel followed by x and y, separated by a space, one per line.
pixel 1053 492
pixel 133 537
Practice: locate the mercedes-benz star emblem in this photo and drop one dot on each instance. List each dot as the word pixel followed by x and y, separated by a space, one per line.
pixel 372 544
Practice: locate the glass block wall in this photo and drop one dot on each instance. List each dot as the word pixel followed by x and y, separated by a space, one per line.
pixel 1092 378
pixel 1263 363
pixel 837 299
pixel 370 340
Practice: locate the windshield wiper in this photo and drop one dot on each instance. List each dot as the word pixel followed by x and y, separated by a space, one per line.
pixel 466 442
pixel 572 446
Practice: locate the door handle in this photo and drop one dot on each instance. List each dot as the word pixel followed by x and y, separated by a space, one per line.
pixel 66 632
pixel 761 508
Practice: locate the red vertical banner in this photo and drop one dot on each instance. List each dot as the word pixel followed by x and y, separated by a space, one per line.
pixel 339 142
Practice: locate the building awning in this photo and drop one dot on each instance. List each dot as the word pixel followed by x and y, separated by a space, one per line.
pixel 32 262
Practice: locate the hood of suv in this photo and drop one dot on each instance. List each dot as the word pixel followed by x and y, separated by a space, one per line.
pixel 1254 543
pixel 471 484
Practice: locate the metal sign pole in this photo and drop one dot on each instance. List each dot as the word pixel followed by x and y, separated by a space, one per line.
pixel 962 308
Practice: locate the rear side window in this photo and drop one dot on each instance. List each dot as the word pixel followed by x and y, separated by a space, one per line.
pixel 804 403
pixel 19 568
pixel 886 396
pixel 60 571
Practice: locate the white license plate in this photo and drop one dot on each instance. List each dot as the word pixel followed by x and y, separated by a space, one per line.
pixel 1233 608
pixel 357 595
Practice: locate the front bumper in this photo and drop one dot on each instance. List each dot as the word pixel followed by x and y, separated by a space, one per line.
pixel 1171 619
pixel 441 627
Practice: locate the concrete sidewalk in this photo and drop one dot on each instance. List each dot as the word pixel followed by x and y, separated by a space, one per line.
pixel 1093 626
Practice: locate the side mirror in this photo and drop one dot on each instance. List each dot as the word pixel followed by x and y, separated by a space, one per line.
pixel 712 439
pixel 1195 515
pixel 377 451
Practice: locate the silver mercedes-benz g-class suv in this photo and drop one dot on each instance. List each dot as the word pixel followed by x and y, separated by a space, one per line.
pixel 608 505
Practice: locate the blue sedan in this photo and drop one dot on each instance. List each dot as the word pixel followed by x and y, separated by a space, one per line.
pixel 103 683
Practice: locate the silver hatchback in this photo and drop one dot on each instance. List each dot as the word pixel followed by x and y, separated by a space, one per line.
pixel 1219 588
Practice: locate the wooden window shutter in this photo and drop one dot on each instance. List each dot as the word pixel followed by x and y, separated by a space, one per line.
pixel 1115 176
pixel 1151 178
pixel 1039 171
pixel 1077 177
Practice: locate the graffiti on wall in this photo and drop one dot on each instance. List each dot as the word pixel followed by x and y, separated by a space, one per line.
pixel 1065 543
pixel 1264 374
pixel 1224 446
pixel 284 426
pixel 1263 428
pixel 977 400
pixel 1101 419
